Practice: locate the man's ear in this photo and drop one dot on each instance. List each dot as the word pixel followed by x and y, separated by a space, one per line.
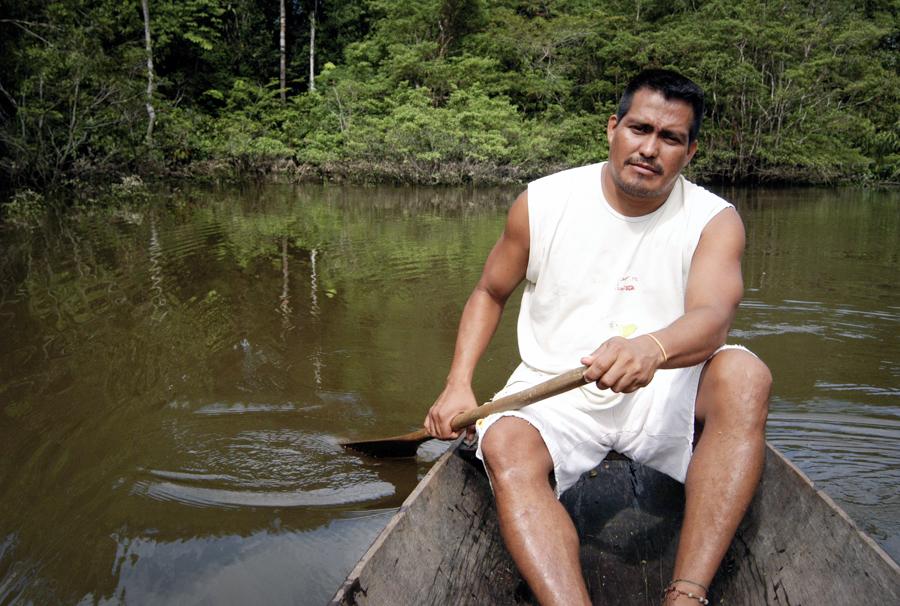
pixel 692 149
pixel 610 127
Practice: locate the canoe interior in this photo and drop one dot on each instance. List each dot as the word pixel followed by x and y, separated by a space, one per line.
pixel 794 546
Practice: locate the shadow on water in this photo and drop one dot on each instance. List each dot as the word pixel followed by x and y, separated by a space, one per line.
pixel 175 377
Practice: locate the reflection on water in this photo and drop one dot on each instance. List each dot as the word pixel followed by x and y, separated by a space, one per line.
pixel 175 378
pixel 241 569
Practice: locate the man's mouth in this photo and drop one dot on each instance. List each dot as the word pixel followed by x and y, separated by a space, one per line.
pixel 645 166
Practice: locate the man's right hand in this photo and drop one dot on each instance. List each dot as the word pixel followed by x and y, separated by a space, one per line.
pixel 454 400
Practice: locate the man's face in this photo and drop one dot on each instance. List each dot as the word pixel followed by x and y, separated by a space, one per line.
pixel 649 146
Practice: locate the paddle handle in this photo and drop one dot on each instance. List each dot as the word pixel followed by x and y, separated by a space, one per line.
pixel 549 388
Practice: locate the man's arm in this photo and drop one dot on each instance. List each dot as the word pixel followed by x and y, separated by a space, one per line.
pixel 714 289
pixel 503 271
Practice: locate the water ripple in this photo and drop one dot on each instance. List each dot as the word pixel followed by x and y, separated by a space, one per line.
pixel 239 408
pixel 764 329
pixel 857 458
pixel 185 240
pixel 871 390
pixel 199 496
pixel 232 466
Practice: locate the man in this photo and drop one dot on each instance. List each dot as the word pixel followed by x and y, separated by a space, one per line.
pixel 634 271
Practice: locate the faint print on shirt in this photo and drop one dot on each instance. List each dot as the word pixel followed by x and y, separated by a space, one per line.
pixel 627 283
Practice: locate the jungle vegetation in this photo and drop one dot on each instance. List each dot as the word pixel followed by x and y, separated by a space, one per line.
pixel 436 91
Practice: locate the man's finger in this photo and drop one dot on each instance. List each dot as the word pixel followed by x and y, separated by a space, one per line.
pixel 599 365
pixel 446 431
pixel 470 436
pixel 613 378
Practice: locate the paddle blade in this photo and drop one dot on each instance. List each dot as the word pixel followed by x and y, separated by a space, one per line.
pixel 390 448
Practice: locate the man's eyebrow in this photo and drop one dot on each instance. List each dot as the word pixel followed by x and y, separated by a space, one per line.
pixel 665 132
pixel 673 134
pixel 634 122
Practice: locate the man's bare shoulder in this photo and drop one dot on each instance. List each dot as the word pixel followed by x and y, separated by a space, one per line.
pixel 517 228
pixel 726 225
pixel 715 277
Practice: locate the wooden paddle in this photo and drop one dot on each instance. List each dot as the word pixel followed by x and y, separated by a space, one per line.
pixel 407 444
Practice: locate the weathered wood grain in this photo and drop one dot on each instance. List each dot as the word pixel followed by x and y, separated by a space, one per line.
pixel 794 547
pixel 442 547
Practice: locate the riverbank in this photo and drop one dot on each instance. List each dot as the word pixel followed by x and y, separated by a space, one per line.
pixel 364 172
pixel 411 172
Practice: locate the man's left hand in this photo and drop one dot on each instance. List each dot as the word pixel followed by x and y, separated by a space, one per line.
pixel 623 365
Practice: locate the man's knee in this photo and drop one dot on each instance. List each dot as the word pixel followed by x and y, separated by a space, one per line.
pixel 734 389
pixel 514 451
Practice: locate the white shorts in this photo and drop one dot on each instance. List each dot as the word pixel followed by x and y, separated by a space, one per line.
pixel 653 425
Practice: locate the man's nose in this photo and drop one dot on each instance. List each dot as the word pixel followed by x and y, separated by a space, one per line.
pixel 649 146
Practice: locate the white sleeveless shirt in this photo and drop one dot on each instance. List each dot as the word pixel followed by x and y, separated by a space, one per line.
pixel 594 273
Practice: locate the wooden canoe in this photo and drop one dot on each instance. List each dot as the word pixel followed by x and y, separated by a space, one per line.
pixel 794 547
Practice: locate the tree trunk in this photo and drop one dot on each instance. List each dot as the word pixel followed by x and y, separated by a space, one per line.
pixel 312 48
pixel 151 113
pixel 283 53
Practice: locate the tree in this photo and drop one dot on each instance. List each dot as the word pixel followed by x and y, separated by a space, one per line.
pixel 439 89
pixel 282 50
pixel 312 46
pixel 151 113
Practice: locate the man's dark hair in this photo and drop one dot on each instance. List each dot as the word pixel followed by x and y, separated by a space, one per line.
pixel 670 85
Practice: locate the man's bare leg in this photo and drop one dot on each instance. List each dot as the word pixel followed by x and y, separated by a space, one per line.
pixel 536 528
pixel 732 405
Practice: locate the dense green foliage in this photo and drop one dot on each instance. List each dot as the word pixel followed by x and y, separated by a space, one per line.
pixel 441 90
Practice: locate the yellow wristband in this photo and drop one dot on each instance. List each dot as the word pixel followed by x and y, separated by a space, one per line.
pixel 661 348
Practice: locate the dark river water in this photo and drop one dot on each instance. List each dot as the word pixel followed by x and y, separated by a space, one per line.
pixel 176 374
